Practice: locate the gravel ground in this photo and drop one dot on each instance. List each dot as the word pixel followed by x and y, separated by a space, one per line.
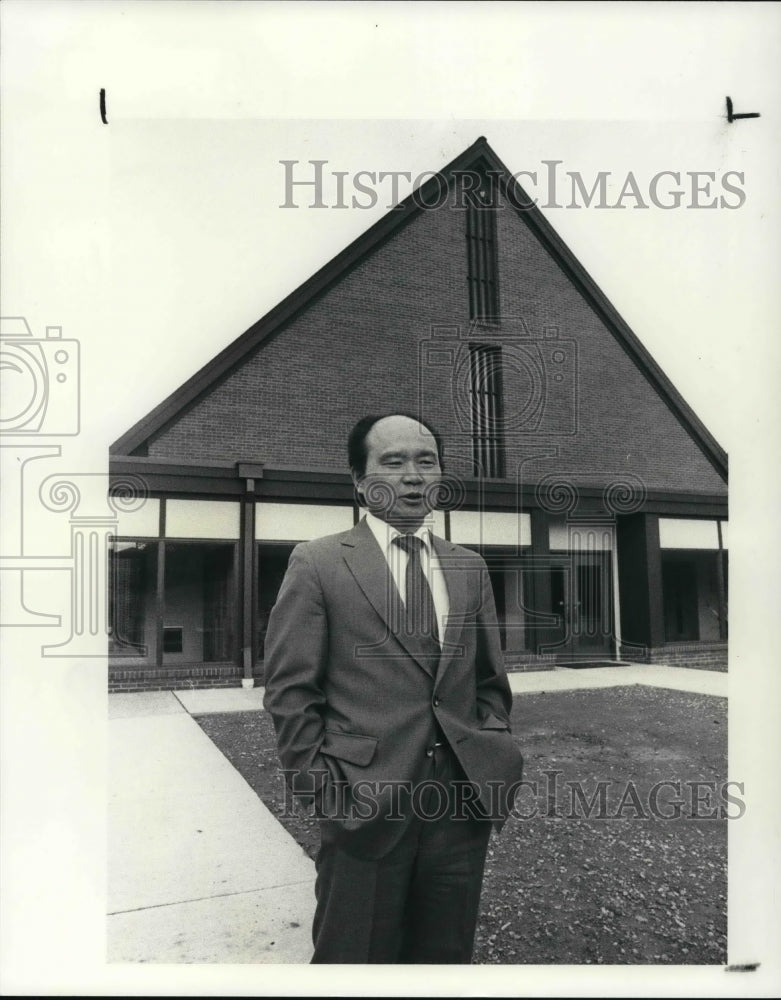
pixel 628 883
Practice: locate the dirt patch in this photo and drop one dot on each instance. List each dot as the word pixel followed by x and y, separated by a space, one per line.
pixel 618 852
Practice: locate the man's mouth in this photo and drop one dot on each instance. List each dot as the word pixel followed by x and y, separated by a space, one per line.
pixel 412 497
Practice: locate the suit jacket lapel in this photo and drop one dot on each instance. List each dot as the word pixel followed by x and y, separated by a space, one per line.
pixel 368 565
pixel 457 583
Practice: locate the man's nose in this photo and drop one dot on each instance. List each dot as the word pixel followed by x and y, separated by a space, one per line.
pixel 412 472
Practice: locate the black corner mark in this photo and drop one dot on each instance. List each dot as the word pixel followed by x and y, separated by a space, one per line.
pixel 103 105
pixel 732 116
pixel 744 967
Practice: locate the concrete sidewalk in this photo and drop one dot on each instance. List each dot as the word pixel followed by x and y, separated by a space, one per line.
pixel 199 869
pixel 572 679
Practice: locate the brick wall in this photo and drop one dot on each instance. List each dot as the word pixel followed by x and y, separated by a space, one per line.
pixel 205 675
pixel 524 662
pixel 358 349
pixel 695 655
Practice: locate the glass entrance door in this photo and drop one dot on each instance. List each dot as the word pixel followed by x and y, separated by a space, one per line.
pixel 581 597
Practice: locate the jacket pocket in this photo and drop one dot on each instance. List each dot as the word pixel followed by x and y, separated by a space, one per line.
pixel 352 747
pixel 493 722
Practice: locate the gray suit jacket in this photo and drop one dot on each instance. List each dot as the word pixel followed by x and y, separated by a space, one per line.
pixel 355 702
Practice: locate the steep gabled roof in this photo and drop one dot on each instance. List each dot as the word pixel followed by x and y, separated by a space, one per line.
pixel 479 156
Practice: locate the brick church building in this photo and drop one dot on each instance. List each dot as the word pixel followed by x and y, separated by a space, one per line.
pixel 595 494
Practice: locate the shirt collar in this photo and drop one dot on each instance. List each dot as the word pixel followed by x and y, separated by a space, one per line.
pixel 385 533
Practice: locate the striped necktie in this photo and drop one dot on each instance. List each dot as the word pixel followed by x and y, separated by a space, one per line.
pixel 420 616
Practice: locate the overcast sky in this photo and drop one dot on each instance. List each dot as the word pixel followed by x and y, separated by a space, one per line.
pixel 158 238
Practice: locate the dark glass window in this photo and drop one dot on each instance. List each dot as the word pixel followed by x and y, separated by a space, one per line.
pixel 482 261
pixel 694 608
pixel 199 623
pixel 133 574
pixel 173 602
pixel 485 390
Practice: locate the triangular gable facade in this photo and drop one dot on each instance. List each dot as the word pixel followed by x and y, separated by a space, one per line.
pixel 360 336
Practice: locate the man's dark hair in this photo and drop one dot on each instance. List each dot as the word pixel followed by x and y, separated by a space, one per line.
pixel 356 442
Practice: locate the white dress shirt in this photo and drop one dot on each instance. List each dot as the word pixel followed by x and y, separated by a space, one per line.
pixel 396 559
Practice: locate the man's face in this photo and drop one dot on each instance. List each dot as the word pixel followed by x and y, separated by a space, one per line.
pixel 402 469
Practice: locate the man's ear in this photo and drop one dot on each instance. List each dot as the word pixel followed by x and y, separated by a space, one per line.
pixel 357 482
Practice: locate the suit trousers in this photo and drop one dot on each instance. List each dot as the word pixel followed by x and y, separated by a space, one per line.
pixel 419 903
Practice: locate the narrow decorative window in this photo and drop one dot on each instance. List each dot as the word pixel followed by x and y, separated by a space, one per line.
pixel 482 257
pixel 486 408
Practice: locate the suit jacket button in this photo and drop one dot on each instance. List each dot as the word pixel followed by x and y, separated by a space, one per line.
pixel 429 752
pixel 436 703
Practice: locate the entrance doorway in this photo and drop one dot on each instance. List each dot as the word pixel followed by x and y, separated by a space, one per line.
pixel 582 599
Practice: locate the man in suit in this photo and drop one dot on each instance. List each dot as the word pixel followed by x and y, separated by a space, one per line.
pixel 385 681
